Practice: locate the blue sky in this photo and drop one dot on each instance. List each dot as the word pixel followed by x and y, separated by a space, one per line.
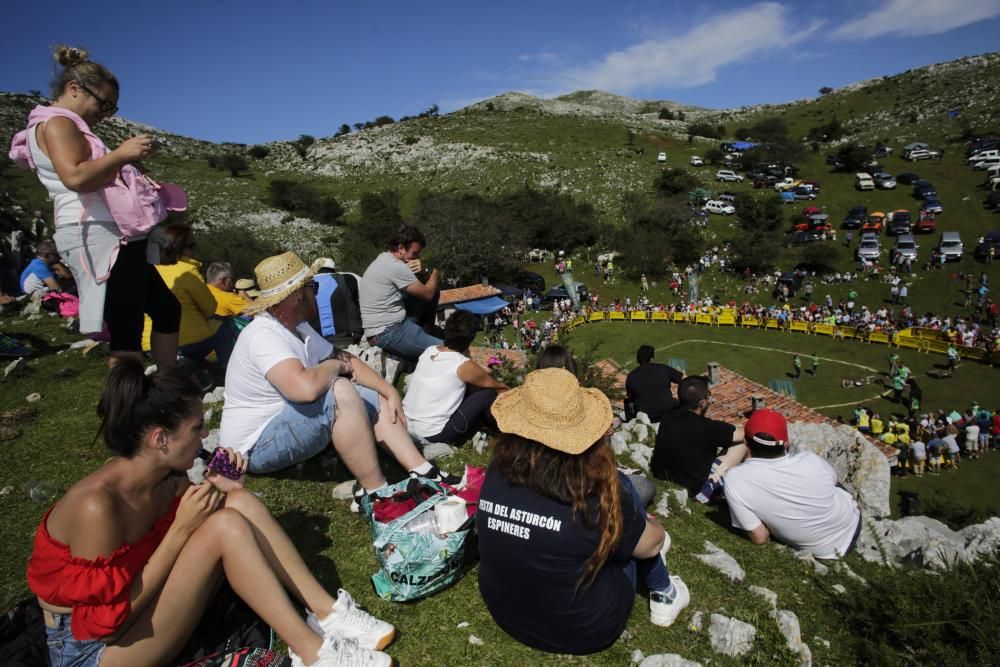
pixel 260 70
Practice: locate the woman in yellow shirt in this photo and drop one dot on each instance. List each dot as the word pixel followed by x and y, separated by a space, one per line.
pixel 201 332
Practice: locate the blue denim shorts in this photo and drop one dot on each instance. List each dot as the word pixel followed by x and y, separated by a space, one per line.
pixel 301 431
pixel 64 650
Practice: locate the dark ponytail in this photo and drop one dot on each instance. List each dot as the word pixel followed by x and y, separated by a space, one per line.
pixel 133 402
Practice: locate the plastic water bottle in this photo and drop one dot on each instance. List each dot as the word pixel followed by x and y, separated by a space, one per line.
pixel 424 523
pixel 41 492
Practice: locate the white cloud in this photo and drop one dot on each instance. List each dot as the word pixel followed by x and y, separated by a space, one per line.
pixel 917 17
pixel 692 58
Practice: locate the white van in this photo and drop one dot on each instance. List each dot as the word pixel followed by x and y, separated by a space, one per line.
pixel 863 181
pixel 986 163
pixel 992 172
pixel 984 155
pixel 951 246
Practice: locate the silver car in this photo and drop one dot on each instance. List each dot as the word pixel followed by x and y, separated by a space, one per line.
pixel 869 248
pixel 907 246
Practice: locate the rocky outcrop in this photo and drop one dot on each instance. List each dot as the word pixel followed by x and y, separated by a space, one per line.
pixel 926 542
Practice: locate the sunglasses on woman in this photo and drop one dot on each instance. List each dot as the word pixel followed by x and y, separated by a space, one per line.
pixel 106 106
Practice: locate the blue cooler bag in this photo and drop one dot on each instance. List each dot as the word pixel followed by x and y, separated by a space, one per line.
pixel 416 559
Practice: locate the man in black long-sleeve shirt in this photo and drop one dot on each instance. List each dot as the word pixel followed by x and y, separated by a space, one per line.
pixel 648 386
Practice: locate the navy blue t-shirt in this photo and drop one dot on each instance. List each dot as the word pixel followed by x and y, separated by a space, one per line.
pixel 531 555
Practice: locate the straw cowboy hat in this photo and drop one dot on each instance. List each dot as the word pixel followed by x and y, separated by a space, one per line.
pixel 277 278
pixel 553 409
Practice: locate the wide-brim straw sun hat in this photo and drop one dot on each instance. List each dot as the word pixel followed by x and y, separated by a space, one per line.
pixel 277 278
pixel 553 409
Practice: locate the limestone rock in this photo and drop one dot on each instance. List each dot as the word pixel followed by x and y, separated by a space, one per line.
pixel 475 641
pixel 697 622
pixel 818 568
pixel 982 539
pixel 918 540
pixel 839 588
pixel 479 442
pixel 15 366
pixel 718 559
pixel 637 657
pixel 640 431
pixel 788 625
pixel 196 473
pixel 851 574
pixel 619 442
pixel 680 497
pixel 33 397
pixel 641 455
pixel 437 450
pixel 663 506
pixel 211 440
pixel 860 467
pixel 344 490
pixel 667 660
pixel 208 415
pixel 641 418
pixel 217 395
pixel 731 636
pixel 767 594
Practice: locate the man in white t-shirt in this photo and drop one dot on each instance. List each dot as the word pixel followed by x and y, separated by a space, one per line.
pixel 793 497
pixel 290 393
pixel 398 297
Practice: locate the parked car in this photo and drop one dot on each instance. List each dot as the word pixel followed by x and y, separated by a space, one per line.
pixel 855 217
pixel 530 280
pixel 992 200
pixel 925 223
pixel 728 197
pixel 899 222
pixel 790 278
pixel 787 197
pixel 932 206
pixel 812 184
pixel 951 246
pixel 920 154
pixel 807 236
pixel 873 223
pixel 787 184
pixel 881 152
pixel 907 246
pixel 983 155
pixel 804 193
pixel 986 163
pixel 817 222
pixel 661 157
pixel 869 248
pixel 728 175
pixel 991 239
pixel 559 292
pixel 883 180
pixel 907 178
pixel 863 181
pixel 719 207
pixel 925 190
pixel 696 161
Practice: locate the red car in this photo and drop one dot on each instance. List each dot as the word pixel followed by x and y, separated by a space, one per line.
pixel 926 223
pixel 814 184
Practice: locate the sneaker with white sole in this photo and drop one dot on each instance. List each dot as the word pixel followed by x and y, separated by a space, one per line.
pixel 356 495
pixel 664 612
pixel 442 477
pixel 349 621
pixel 340 652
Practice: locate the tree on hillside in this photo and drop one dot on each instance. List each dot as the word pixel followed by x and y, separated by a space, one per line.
pixel 359 126
pixel 825 90
pixel 258 152
pixel 234 163
pixel 303 143
pixel 329 211
pixel 714 156
pixel 666 114
pixel 754 251
pixel 703 129
pixel 760 214
pixel 853 157
pixel 656 236
pixel 365 239
pixel 546 218
pixel 672 182
pixel 342 130
pixel 770 130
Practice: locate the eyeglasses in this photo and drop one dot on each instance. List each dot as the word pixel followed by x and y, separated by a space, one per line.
pixel 314 286
pixel 106 106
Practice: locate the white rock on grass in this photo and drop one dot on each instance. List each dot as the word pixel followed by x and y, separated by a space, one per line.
pixel 819 568
pixel 919 540
pixel 663 505
pixel 640 431
pixel 842 567
pixel 196 473
pixel 619 442
pixel 637 657
pixel 344 490
pixel 33 398
pixel 463 624
pixel 839 588
pixel 697 622
pixel 680 497
pixel 720 560
pixel 641 454
pixel 475 641
pixel 479 442
pixel 217 395
pixel 211 440
pixel 788 625
pixel 437 450
pixel 767 594
pixel 641 418
pixel 731 636
pixel 14 366
pixel 667 660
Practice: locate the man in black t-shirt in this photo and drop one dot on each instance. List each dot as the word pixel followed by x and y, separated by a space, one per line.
pixel 691 449
pixel 648 386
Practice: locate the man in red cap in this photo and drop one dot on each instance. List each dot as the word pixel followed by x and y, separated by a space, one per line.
pixel 794 497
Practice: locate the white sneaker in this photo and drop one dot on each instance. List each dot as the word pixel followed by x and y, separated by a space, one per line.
pixel 349 621
pixel 340 652
pixel 663 612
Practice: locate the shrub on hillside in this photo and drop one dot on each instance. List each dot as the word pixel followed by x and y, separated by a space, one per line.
pixel 258 152
pixel 233 163
pixel 232 243
pixel 703 129
pixel 364 239
pixel 305 200
pixel 672 182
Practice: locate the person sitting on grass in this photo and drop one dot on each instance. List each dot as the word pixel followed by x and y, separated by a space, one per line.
pixel 289 393
pixel 125 564
pixel 563 538
pixel 219 278
pixel 795 498
pixel 450 395
pixel 38 275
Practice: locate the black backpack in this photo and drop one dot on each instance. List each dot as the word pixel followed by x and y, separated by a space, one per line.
pixel 337 300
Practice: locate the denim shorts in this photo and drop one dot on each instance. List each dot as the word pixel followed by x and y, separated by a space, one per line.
pixel 64 650
pixel 301 431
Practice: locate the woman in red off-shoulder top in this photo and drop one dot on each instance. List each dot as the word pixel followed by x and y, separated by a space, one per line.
pixel 125 563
